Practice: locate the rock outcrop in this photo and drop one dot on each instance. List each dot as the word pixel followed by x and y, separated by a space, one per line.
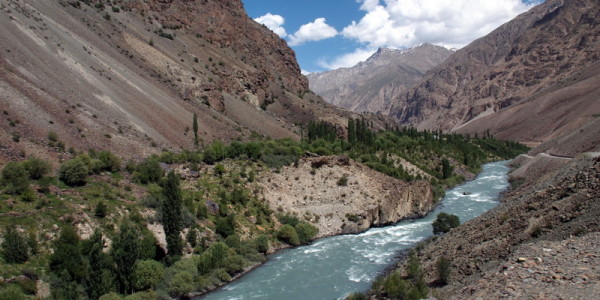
pixel 371 85
pixel 316 191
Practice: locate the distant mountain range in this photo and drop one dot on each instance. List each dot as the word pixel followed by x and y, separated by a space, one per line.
pixel 369 86
pixel 532 79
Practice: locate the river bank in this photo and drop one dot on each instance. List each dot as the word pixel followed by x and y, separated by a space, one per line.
pixel 520 249
pixel 334 266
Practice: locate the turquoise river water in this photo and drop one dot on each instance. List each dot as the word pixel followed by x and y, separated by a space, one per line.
pixel 333 267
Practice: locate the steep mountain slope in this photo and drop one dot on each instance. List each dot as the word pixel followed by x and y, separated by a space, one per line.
pixel 369 86
pixel 129 75
pixel 549 46
pixel 537 242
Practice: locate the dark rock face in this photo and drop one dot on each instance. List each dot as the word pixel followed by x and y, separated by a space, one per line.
pixel 369 86
pixel 540 48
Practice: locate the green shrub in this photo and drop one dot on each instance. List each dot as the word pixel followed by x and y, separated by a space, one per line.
pixel 181 283
pixel 148 171
pixel 15 178
pixel 443 270
pixel 73 172
pixel 288 234
pixel 12 292
pixel 444 222
pixel 14 246
pixel 262 243
pixel 37 168
pixel 147 274
pixel 306 232
pixel 357 296
pixel 343 181
pixel 100 210
pixel 110 296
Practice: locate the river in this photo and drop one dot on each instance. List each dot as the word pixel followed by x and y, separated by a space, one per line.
pixel 333 267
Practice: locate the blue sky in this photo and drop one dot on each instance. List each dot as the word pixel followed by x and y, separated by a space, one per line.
pixel 329 34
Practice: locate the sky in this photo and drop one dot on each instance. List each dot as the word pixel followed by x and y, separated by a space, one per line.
pixel 332 34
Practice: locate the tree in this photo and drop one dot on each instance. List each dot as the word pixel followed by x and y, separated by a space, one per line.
pixel 171 210
pixel 15 178
pixel 444 222
pixel 14 247
pixel 101 280
pixel 446 169
pixel 195 128
pixel 147 274
pixel 66 262
pixel 351 131
pixel 443 270
pixel 125 252
pixel 73 172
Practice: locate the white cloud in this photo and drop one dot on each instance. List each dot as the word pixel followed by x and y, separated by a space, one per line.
pixel 273 22
pixel 314 31
pixel 406 23
pixel 347 60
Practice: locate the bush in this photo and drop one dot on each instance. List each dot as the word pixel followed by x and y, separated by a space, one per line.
pixel 14 246
pixel 15 178
pixel 148 171
pixel 262 243
pixel 343 181
pixel 100 210
pixel 357 296
pixel 288 234
pixel 147 274
pixel 443 269
pixel 12 292
pixel 37 168
pixel 73 172
pixel 444 222
pixel 306 232
pixel 110 296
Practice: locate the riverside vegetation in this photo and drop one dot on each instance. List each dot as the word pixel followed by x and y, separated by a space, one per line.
pixel 90 230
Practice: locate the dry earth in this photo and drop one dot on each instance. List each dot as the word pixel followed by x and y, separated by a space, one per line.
pixel 316 195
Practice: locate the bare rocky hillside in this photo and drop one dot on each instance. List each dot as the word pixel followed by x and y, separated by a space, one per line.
pixel 339 195
pixel 532 79
pixel 371 85
pixel 129 75
pixel 539 243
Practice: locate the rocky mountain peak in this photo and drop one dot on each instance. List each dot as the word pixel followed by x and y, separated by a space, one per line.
pixel 369 86
pixel 545 50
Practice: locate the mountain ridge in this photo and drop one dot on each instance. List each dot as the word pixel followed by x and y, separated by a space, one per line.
pixel 370 85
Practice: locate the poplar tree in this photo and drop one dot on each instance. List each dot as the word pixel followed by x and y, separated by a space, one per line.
pixel 172 214
pixel 195 128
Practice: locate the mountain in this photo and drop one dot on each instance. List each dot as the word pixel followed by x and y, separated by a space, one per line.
pixel 369 86
pixel 531 79
pixel 127 76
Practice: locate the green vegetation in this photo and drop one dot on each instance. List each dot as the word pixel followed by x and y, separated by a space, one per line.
pixel 443 266
pixel 228 225
pixel 444 222
pixel 412 286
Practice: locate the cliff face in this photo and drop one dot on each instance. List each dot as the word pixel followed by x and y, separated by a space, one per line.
pixel 544 47
pixel 371 85
pixel 127 76
pixel 368 198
